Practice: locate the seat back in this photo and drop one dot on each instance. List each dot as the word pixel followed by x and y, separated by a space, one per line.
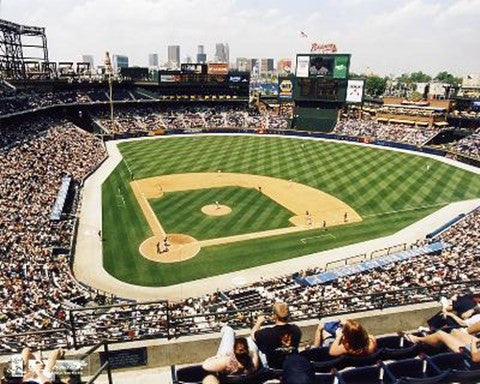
pixel 415 371
pixel 458 366
pixel 258 377
pixel 322 360
pixel 188 375
pixel 396 347
pixel 364 375
pixel 361 361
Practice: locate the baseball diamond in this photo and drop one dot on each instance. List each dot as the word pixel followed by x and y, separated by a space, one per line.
pixel 296 185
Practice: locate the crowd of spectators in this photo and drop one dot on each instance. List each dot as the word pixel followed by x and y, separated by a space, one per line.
pixel 461 262
pixel 13 102
pixel 468 146
pixel 411 111
pixel 135 119
pixel 36 286
pixel 373 129
pixel 468 114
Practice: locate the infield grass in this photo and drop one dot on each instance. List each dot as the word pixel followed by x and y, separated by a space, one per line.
pixel 390 190
pixel 180 212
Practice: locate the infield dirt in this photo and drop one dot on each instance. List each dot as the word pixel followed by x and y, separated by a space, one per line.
pixel 310 207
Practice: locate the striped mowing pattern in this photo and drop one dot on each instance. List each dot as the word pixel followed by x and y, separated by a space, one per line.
pixel 390 190
pixel 370 180
pixel 180 212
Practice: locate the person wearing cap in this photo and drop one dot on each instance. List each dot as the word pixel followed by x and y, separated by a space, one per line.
pixel 278 341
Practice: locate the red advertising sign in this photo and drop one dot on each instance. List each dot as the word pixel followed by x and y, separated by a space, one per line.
pixel 217 69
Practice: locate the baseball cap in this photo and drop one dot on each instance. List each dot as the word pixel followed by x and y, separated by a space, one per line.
pixel 281 309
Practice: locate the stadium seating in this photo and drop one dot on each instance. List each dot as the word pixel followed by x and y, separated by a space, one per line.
pixel 458 366
pixel 414 371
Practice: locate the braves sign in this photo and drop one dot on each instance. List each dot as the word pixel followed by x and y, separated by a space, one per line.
pixel 323 48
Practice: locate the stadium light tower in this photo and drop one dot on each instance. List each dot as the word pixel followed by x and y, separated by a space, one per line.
pixel 108 67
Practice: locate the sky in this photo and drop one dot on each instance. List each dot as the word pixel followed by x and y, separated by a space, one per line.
pixel 384 36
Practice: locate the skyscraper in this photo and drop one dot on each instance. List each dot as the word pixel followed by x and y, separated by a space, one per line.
pixel 242 64
pixel 88 59
pixel 120 61
pixel 174 56
pixel 201 55
pixel 222 53
pixel 153 60
pixel 266 65
pixel 252 66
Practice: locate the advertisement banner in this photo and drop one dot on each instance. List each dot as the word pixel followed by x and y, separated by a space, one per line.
pixel 193 68
pixel 285 88
pixel 217 69
pixel 340 69
pixel 170 78
pixel 303 64
pixel 239 77
pixel 355 91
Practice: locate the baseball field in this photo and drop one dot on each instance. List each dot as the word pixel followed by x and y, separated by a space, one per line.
pixel 200 206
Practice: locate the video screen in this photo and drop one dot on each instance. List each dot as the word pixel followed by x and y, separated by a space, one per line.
pixel 321 66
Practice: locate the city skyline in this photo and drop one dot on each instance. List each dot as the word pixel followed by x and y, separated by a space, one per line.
pixel 392 38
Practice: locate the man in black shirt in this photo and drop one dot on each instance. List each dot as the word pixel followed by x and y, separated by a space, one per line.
pixel 278 341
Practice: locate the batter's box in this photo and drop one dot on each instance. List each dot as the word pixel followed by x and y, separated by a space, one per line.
pixel 305 240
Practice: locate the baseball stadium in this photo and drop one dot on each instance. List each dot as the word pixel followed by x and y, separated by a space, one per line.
pixel 148 214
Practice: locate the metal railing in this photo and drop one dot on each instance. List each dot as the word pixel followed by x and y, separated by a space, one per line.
pixel 105 366
pixel 161 320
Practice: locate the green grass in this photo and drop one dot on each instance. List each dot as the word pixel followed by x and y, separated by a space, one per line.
pixel 390 190
pixel 180 212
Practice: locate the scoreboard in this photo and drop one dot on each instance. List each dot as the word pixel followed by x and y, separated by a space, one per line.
pixel 321 77
pixel 320 89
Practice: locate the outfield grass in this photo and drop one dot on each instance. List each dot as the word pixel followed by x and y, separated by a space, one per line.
pixel 390 190
pixel 252 211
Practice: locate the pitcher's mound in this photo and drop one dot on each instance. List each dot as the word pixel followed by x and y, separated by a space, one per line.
pixel 216 210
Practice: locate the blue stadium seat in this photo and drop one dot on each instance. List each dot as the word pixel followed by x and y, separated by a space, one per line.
pixel 362 361
pixel 325 378
pixel 458 366
pixel 396 347
pixel 193 374
pixel 365 375
pixel 414 371
pixel 322 360
pixel 257 377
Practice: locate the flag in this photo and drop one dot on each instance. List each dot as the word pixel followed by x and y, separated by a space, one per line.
pixel 303 34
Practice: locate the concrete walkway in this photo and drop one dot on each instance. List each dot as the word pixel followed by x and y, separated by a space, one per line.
pixel 88 263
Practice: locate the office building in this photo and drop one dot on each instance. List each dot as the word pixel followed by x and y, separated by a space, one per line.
pixel 266 66
pixel 242 64
pixel 120 61
pixel 153 60
pixel 201 55
pixel 88 59
pixel 174 56
pixel 252 66
pixel 222 53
